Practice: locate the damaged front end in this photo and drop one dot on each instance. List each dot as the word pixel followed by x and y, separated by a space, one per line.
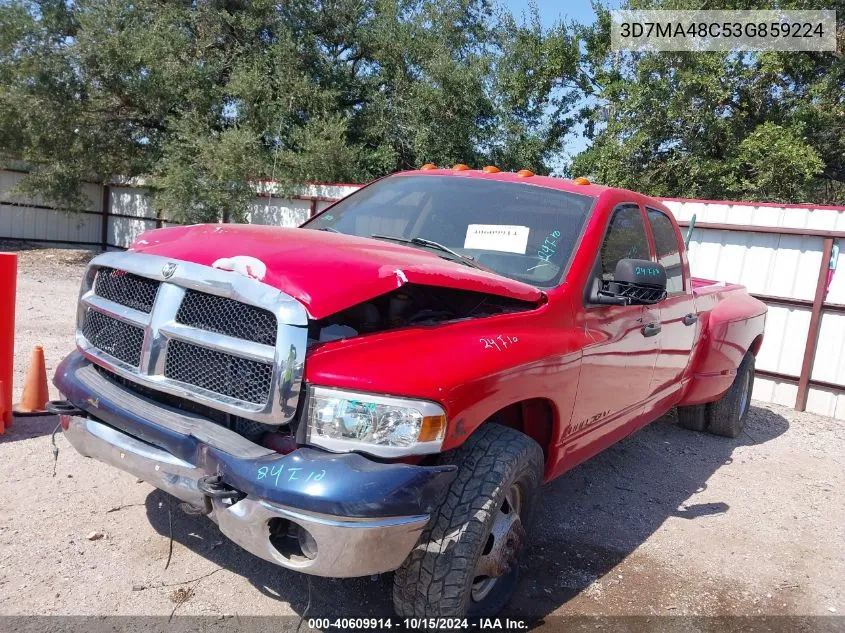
pixel 189 377
pixel 412 305
pixel 192 377
pixel 336 515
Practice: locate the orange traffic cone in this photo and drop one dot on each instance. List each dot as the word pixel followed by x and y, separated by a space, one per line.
pixel 35 393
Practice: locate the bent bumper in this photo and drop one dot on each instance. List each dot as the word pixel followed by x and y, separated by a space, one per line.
pixel 341 546
pixel 335 515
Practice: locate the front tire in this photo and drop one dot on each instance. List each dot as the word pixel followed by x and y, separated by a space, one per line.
pixel 465 563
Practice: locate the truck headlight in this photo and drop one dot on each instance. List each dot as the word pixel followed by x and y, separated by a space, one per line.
pixel 385 426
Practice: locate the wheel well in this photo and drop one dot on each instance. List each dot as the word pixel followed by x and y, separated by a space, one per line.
pixel 755 345
pixel 534 417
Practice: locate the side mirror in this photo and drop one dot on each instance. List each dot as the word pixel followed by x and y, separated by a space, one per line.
pixel 635 282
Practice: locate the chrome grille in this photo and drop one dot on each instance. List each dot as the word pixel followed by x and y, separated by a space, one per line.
pixel 217 338
pixel 227 316
pixel 116 338
pixel 240 378
pixel 126 289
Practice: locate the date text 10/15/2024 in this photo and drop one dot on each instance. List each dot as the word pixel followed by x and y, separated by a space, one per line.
pixel 450 624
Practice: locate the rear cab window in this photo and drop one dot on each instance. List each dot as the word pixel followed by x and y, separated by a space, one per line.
pixel 667 245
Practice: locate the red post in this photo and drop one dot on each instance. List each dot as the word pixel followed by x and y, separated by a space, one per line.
pixel 815 324
pixel 2 409
pixel 8 283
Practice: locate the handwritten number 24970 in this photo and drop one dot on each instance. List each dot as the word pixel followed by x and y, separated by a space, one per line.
pixel 498 343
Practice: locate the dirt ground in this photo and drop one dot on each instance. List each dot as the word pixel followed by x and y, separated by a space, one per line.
pixel 668 522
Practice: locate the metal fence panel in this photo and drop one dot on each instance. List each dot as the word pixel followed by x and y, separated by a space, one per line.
pixel 31 218
pixel 775 265
pixel 279 211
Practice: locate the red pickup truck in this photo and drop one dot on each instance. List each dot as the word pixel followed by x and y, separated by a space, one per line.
pixel 387 387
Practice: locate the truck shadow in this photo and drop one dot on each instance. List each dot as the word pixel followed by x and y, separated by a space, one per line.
pixel 597 514
pixel 589 520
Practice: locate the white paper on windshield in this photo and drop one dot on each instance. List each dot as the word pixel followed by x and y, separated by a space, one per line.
pixel 505 238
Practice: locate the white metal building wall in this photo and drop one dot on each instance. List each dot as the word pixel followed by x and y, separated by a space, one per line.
pixel 783 266
pixel 30 218
pixel 130 212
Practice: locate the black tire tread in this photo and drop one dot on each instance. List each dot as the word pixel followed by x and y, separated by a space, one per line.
pixel 693 417
pixel 433 580
pixel 725 419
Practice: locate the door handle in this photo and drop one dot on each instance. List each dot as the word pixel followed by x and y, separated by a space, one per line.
pixel 690 319
pixel 651 329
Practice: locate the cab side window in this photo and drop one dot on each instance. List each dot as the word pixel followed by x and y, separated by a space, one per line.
pixel 625 239
pixel 668 249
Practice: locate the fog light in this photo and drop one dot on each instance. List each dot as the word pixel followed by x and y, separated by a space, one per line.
pixel 307 544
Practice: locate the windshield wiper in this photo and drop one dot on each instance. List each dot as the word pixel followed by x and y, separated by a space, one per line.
pixel 419 241
pixel 328 228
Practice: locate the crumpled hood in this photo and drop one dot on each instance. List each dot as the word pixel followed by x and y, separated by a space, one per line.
pixel 327 272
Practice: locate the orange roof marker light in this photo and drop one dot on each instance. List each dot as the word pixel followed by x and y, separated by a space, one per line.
pixel 580 180
pixel 460 167
pixel 525 173
pixel 491 169
pixel 429 166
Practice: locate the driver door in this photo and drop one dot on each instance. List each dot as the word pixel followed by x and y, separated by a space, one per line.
pixel 617 367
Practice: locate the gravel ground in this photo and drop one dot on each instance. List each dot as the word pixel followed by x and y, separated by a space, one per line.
pixel 667 522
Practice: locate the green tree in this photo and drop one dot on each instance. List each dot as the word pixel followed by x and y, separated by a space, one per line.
pixel 752 126
pixel 774 163
pixel 201 97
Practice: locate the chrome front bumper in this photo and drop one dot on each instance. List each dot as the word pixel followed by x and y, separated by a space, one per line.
pixel 345 546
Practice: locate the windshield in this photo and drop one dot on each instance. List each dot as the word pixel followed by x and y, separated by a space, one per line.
pixel 519 231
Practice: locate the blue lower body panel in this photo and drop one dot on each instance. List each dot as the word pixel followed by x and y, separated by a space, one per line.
pixel 336 515
pixel 308 479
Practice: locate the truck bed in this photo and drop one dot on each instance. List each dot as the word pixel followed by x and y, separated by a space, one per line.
pixel 701 287
pixel 731 322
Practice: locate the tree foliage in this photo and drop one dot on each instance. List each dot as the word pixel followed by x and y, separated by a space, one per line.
pixel 204 96
pixel 749 126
